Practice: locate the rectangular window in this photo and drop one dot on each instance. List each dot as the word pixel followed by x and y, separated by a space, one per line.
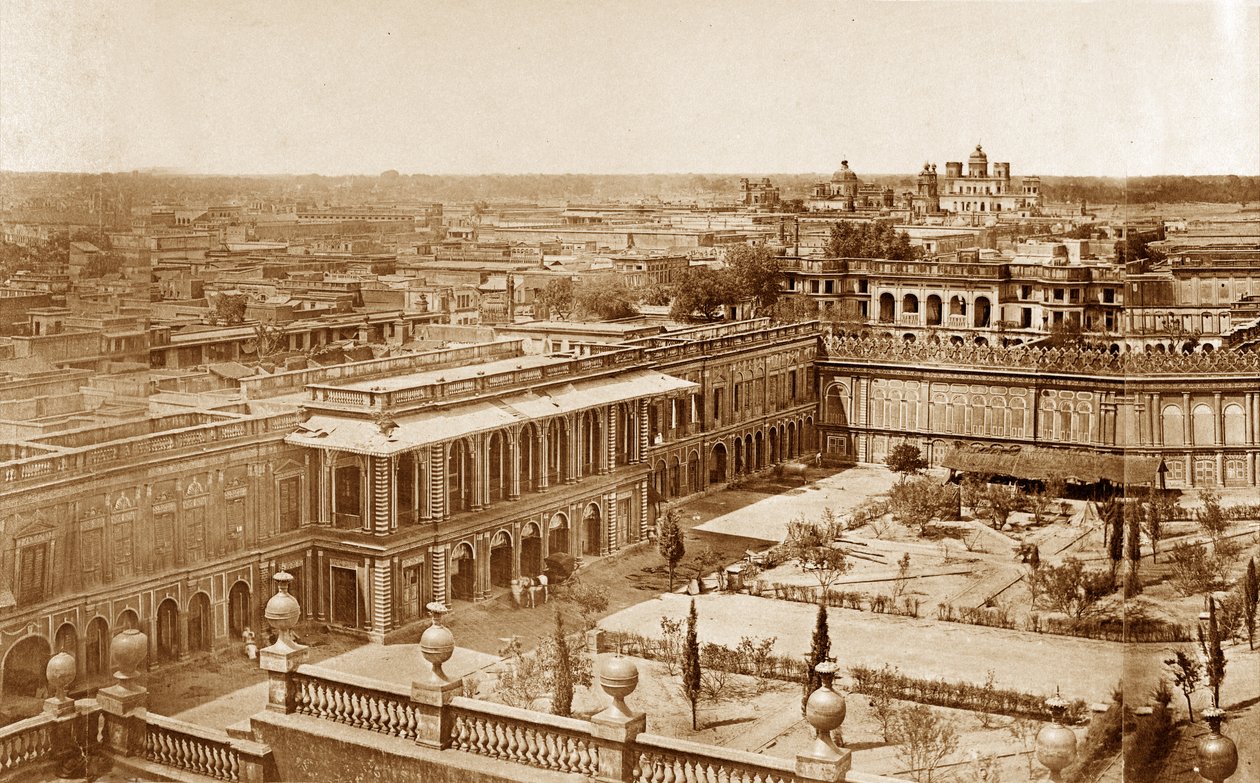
pixel 32 570
pixel 290 503
pixel 792 375
pixel 717 405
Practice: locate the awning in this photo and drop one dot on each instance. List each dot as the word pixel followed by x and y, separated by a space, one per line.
pixel 1039 464
pixel 436 425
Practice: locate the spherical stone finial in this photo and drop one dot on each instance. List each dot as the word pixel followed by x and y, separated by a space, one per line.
pixel 61 671
pixel 128 649
pixel 825 710
pixel 283 612
pixel 618 676
pixel 1056 743
pixel 437 643
pixel 1218 755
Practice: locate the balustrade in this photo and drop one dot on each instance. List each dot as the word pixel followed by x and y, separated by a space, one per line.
pixel 190 747
pixel 357 702
pixel 667 760
pixel 25 742
pixel 524 737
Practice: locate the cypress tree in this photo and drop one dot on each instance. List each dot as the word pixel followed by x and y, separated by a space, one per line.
pixel 819 649
pixel 691 664
pixel 562 697
pixel 670 544
pixel 1213 654
pixel 1251 594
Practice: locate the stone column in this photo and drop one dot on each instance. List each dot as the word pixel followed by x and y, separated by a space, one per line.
pixel 382 494
pixel 544 452
pixel 437 482
pixel 610 523
pixel 479 472
pixel 644 435
pixel 1187 420
pixel 437 559
pixel 611 431
pixel 1218 416
pixel 1157 420
pixel 514 466
pixel 325 487
pixel 643 510
pixel 382 599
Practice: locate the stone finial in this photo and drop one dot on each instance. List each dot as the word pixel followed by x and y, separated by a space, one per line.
pixel 283 612
pixel 437 644
pixel 1056 743
pixel 60 672
pixel 1218 755
pixel 128 649
pixel 618 676
pixel 824 710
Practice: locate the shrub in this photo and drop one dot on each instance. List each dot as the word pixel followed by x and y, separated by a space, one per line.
pixel 959 695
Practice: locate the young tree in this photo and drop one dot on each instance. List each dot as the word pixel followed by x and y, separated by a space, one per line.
pixel 703 564
pixel 906 459
pixel 230 308
pixel 1132 585
pixel 590 600
pixel 562 690
pixel 1186 674
pixel 1213 655
pixel 691 680
pixel 925 739
pixel 919 500
pixel 997 503
pixel 1069 588
pixel 1211 517
pixel 1156 509
pixel 819 650
pixel 1250 595
pixel 1113 522
pixel 812 544
pixel 669 543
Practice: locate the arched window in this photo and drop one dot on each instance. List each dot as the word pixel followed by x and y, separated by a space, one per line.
pixel 1203 426
pixel 1174 429
pixel 1235 425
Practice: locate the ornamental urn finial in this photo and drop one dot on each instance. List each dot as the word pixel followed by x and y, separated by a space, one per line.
pixel 825 710
pixel 283 612
pixel 437 643
pixel 61 671
pixel 128 649
pixel 1218 755
pixel 618 676
pixel 1056 743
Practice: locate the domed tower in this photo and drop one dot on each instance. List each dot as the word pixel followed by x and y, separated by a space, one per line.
pixel 978 163
pixel 928 192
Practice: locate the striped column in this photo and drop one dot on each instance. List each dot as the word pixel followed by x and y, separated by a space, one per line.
pixel 544 453
pixel 381 495
pixel 382 599
pixel 643 510
pixel 514 465
pixel 612 437
pixel 437 482
pixel 643 431
pixel 437 559
pixel 610 523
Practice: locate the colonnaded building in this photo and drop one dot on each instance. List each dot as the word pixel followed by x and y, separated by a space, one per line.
pixel 382 485
pixel 379 485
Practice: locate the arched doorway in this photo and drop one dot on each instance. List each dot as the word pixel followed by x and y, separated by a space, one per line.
pixel 591 519
pixel 809 435
pixel 24 667
pixel 660 478
pixel 717 468
pixel 773 441
pixel 96 650
pixel 982 312
pixel 789 442
pixel 239 615
pixel 675 477
pixel 531 551
pixel 887 307
pixel 463 572
pixel 693 471
pixel 168 630
pixel 758 453
pixel 739 456
pixel 558 534
pixel 67 639
pixel 200 632
pixel 501 559
pixel 933 310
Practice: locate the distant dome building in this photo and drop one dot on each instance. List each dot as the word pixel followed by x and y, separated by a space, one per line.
pixel 981 192
pixel 846 193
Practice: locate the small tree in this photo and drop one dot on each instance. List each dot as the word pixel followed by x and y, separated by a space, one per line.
pixel 883 705
pixel 1069 587
pixel 1213 655
pixel 1186 674
pixel 925 739
pixel 670 544
pixel 590 600
pixel 1132 585
pixel 819 649
pixel 556 297
pixel 1250 596
pixel 917 501
pixel 811 543
pixel 1212 517
pixel 997 503
pixel 230 308
pixel 1113 520
pixel 691 679
pixel 562 692
pixel 704 563
pixel 906 459
pixel 1157 508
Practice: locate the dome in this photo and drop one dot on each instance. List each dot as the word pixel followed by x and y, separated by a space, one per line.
pixel 845 173
pixel 978 155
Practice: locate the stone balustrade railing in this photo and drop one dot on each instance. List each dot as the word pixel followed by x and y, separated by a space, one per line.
pixel 1040 360
pixel 186 746
pixel 523 736
pixel 660 759
pixel 355 701
pixel 26 742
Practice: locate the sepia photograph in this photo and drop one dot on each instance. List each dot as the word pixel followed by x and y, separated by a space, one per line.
pixel 815 391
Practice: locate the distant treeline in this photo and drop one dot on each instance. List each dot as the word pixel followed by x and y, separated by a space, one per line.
pixel 146 187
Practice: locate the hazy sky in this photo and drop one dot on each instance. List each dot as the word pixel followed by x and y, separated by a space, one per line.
pixel 220 86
